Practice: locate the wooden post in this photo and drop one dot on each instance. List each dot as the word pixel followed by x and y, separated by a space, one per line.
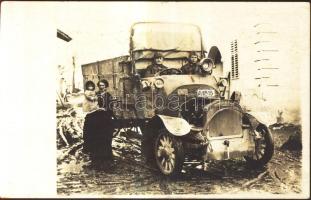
pixel 73 74
pixel 60 98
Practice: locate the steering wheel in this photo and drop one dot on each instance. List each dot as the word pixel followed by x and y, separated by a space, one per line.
pixel 169 71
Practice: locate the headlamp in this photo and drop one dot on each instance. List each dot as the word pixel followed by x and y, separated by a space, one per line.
pixel 223 83
pixel 207 65
pixel 159 83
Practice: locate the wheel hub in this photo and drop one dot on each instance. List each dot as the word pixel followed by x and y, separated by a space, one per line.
pixel 166 153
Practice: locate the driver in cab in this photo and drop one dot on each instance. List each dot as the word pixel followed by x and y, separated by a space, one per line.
pixel 192 67
pixel 156 66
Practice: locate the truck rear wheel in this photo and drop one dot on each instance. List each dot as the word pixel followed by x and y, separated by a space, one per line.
pixel 169 153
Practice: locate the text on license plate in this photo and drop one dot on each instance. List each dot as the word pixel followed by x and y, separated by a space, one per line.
pixel 205 93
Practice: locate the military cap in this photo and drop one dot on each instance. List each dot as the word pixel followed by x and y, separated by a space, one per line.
pixel 158 55
pixel 193 53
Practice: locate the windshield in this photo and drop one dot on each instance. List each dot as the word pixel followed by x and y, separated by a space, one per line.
pixel 165 37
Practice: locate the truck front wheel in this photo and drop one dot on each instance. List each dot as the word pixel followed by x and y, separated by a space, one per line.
pixel 169 153
pixel 264 148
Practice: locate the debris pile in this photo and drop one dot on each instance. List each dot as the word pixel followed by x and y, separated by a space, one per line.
pixel 293 142
pixel 69 128
pixel 126 142
pixel 289 135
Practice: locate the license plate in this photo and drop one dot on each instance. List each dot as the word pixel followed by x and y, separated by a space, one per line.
pixel 205 93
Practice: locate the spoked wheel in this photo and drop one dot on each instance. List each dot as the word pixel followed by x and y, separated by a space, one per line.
pixel 264 148
pixel 169 154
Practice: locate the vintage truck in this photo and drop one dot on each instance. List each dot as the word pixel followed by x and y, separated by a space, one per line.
pixel 181 117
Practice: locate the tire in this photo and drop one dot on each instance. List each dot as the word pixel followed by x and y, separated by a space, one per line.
pixel 264 148
pixel 168 153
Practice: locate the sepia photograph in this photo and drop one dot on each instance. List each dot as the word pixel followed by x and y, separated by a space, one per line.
pixel 156 99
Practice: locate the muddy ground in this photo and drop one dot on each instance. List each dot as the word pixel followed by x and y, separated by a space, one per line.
pixel 129 175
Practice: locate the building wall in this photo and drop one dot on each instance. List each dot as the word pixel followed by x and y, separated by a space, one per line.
pixel 268 72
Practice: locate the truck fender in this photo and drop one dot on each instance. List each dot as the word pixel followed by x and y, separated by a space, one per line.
pixel 175 125
pixel 253 121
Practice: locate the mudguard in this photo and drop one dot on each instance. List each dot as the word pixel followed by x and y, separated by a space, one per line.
pixel 175 125
pixel 254 122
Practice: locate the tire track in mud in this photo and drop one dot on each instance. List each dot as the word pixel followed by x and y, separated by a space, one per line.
pixel 130 175
pixel 141 180
pixel 140 177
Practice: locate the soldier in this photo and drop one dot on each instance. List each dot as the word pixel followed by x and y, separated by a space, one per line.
pixel 156 66
pixel 98 129
pixel 192 66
